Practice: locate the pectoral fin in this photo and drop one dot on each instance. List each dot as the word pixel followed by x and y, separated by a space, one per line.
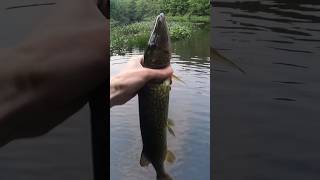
pixel 170 124
pixel 170 157
pixel 171 131
pixel 144 160
pixel 174 77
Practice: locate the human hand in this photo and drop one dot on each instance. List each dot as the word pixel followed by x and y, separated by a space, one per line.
pixel 133 77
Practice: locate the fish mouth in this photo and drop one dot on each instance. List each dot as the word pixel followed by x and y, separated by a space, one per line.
pixel 160 18
pixel 160 34
pixel 160 23
pixel 158 52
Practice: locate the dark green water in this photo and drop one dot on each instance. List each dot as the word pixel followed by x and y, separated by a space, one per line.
pixel 266 122
pixel 189 107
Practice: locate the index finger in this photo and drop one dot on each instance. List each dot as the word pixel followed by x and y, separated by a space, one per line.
pixel 159 74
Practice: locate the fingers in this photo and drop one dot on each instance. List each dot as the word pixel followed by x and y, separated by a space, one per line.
pixel 136 63
pixel 141 59
pixel 159 74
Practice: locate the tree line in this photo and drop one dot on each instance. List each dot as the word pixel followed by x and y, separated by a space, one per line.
pixel 128 11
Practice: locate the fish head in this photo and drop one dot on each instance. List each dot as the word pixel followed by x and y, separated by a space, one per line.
pixel 158 52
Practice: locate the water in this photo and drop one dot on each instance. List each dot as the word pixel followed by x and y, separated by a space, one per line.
pixel 189 108
pixel 266 122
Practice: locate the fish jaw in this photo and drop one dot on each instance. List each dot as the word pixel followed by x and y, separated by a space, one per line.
pixel 158 52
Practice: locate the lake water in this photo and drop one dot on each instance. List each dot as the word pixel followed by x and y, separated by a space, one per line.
pixel 266 122
pixel 189 107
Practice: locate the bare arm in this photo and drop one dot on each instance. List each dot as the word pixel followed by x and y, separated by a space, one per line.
pixel 126 84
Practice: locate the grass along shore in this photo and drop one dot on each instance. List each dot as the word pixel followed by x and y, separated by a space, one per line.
pixel 127 36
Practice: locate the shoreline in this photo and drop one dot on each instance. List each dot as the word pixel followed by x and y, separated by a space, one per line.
pixel 136 34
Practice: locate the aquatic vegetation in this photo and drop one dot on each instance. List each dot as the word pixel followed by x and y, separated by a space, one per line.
pixel 124 37
pixel 130 11
pixel 190 19
pixel 180 31
pixel 127 36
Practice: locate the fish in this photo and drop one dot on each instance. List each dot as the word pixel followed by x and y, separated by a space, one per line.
pixel 154 103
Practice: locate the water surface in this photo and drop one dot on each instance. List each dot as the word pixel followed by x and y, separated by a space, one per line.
pixel 266 122
pixel 188 107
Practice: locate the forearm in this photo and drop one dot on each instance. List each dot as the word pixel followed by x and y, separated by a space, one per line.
pixel 42 84
pixel 8 93
pixel 114 93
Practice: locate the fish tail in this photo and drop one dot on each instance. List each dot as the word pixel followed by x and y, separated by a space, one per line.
pixel 164 176
pixel 144 161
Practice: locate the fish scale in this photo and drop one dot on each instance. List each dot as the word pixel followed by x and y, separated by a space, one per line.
pixel 154 101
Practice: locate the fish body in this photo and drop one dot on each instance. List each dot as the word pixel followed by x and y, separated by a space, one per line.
pixel 154 102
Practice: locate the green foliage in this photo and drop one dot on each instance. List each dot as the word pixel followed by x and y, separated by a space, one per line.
pixel 199 7
pixel 190 19
pixel 127 36
pixel 177 7
pixel 128 11
pixel 180 31
pixel 132 20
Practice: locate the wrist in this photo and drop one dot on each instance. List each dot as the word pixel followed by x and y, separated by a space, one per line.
pixel 113 93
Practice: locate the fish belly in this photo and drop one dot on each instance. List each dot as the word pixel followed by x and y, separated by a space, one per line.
pixel 153 112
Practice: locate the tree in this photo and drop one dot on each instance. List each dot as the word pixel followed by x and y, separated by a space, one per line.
pixel 128 11
pixel 199 7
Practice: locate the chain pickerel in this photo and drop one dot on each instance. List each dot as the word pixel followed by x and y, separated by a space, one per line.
pixel 154 102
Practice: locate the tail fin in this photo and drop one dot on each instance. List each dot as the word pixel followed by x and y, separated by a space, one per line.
pixel 164 177
pixel 144 160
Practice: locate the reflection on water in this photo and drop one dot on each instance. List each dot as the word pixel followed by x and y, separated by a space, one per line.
pixel 189 108
pixel 266 122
